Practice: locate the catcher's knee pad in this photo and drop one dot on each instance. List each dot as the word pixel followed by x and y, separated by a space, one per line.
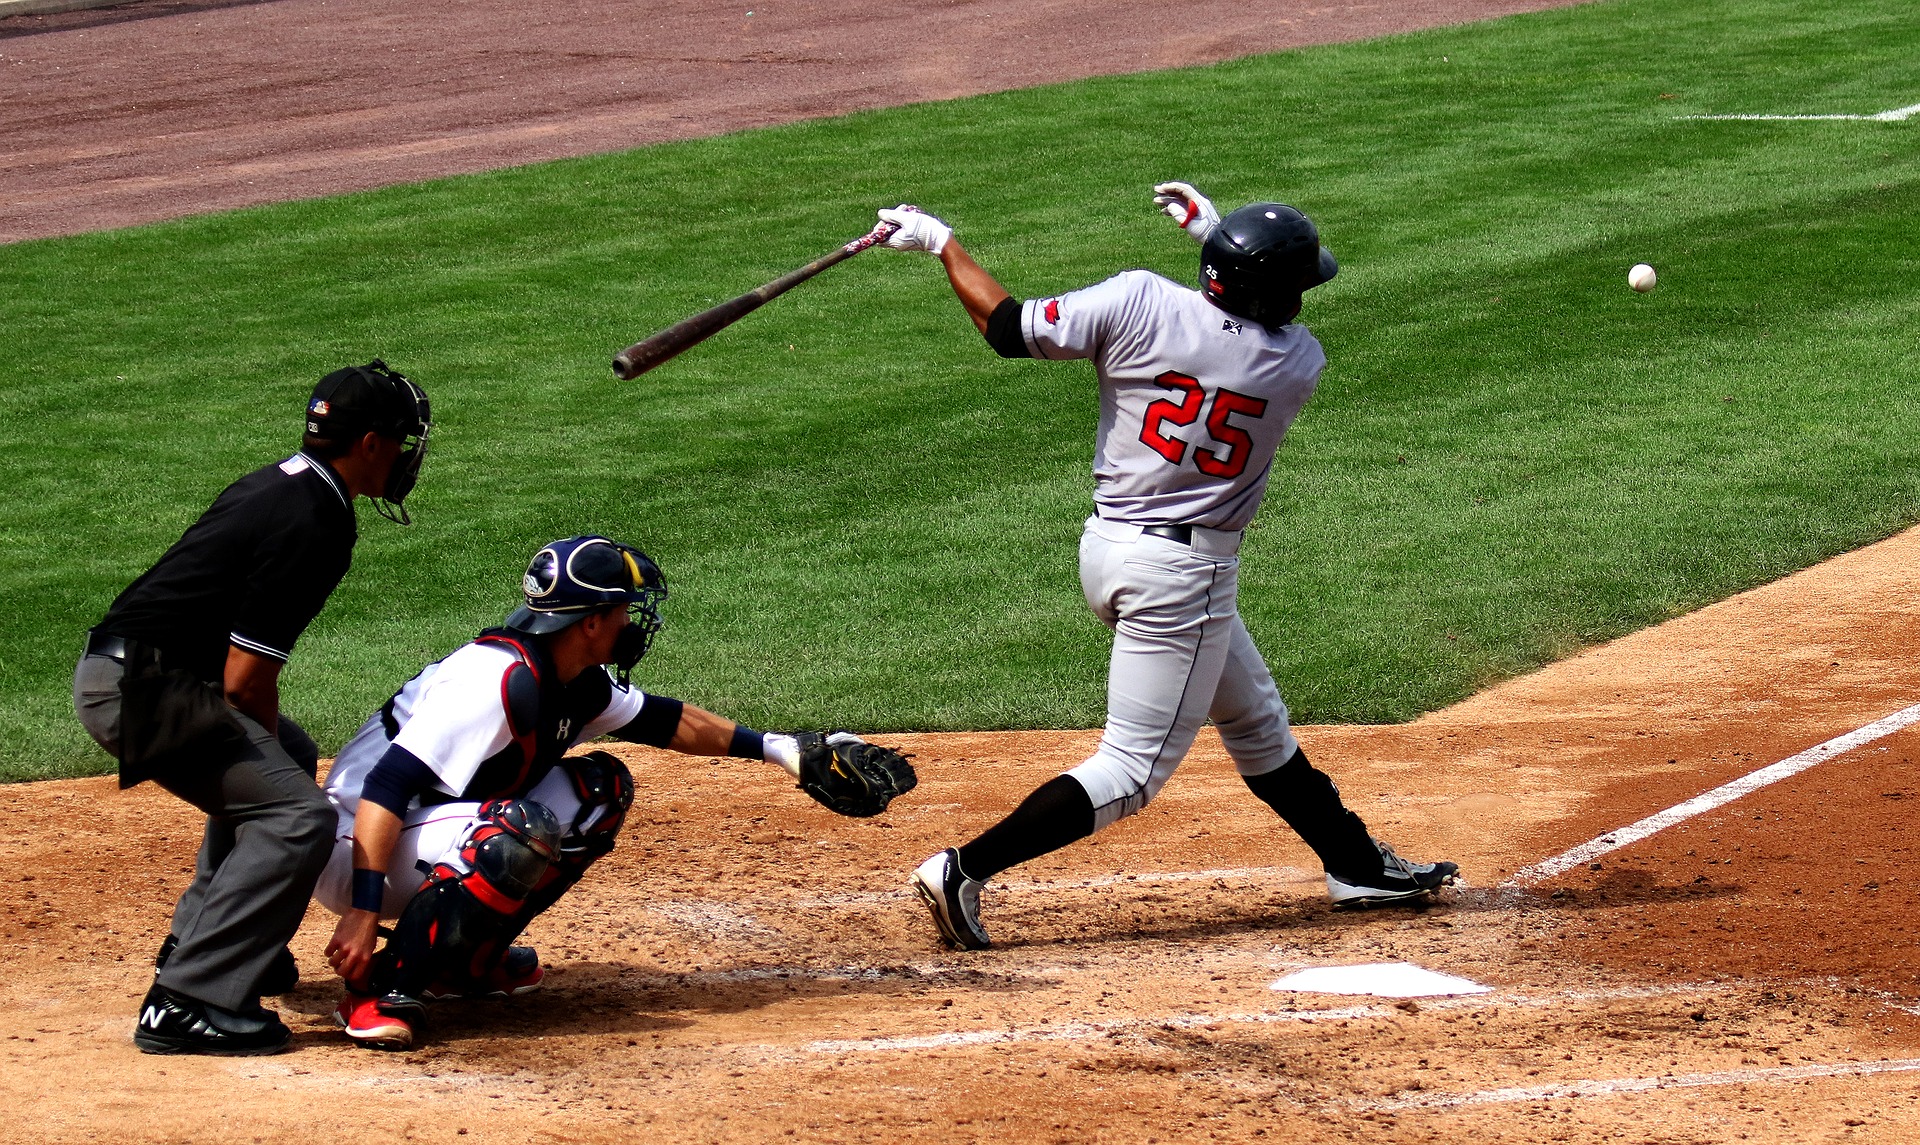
pixel 604 787
pixel 454 924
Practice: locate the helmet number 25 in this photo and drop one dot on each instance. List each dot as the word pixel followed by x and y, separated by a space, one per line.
pixel 1226 464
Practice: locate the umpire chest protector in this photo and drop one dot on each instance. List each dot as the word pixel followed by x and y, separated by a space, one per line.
pixel 544 716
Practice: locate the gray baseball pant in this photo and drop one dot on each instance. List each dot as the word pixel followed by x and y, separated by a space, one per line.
pixel 268 834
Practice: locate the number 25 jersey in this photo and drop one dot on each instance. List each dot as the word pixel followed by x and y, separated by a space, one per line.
pixel 1193 400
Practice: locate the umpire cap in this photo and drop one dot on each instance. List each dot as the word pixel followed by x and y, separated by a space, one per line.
pixel 571 578
pixel 373 398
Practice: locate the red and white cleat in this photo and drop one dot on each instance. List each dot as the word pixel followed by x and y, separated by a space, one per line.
pixel 361 1017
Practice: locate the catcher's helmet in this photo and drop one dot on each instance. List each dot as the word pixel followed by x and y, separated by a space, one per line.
pixel 573 578
pixel 1260 259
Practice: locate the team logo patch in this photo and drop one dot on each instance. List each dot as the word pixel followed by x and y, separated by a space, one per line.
pixel 1230 326
pixel 542 574
pixel 1053 312
pixel 320 407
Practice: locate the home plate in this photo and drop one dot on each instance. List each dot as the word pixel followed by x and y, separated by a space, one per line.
pixel 1381 979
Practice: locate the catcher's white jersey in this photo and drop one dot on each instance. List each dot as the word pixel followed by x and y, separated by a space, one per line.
pixel 1193 401
pixel 452 718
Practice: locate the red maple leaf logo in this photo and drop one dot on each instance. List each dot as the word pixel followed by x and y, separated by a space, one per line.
pixel 1053 312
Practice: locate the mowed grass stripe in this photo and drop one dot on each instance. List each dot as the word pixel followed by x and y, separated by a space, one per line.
pixel 868 520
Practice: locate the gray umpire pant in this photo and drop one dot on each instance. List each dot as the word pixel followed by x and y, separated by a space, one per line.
pixel 269 832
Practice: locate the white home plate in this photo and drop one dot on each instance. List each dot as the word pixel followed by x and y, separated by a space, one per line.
pixel 1380 979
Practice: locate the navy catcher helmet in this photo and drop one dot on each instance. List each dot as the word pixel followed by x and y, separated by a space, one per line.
pixel 1260 259
pixel 570 579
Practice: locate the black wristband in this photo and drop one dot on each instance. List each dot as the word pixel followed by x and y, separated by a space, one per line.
pixel 747 743
pixel 369 889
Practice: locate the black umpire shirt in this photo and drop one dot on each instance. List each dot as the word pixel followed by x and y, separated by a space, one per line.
pixel 253 571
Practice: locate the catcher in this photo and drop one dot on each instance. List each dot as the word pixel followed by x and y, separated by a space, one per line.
pixel 462 817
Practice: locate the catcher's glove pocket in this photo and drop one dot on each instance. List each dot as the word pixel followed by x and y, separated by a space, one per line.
pixel 849 776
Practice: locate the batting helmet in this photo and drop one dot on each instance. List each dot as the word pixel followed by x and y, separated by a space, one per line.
pixel 1260 259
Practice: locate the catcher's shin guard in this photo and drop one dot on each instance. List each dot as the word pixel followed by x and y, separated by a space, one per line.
pixel 604 787
pixel 459 924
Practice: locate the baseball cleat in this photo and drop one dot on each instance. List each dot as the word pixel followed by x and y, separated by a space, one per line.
pixel 953 899
pixel 363 1020
pixel 518 973
pixel 1398 881
pixel 172 1023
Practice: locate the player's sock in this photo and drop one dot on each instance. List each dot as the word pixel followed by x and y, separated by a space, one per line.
pixel 1057 813
pixel 1306 798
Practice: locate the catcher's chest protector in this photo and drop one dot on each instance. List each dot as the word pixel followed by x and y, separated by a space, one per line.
pixel 545 718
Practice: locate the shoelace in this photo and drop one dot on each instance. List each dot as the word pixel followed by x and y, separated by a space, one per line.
pixel 1393 861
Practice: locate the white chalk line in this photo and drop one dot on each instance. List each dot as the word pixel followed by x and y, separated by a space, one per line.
pixel 1894 116
pixel 1087 1031
pixel 1718 797
pixel 1609 1087
pixel 904 894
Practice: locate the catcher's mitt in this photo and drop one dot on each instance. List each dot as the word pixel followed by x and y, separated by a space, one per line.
pixel 850 776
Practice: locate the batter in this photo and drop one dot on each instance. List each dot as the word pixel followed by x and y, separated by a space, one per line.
pixel 1197 388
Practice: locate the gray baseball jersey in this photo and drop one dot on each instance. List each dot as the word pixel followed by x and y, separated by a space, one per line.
pixel 1193 401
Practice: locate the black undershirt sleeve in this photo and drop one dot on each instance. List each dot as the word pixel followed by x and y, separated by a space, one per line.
pixel 1003 330
pixel 656 724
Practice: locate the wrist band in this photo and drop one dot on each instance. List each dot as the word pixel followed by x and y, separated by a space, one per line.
pixel 747 743
pixel 369 889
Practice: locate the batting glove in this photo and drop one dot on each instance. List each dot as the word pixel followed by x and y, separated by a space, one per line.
pixel 918 230
pixel 1188 207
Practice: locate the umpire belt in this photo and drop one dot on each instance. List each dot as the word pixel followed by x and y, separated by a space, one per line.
pixel 106 644
pixel 1199 538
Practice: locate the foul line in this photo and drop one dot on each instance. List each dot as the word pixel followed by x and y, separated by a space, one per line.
pixel 1894 116
pixel 1719 796
pixel 1609 1087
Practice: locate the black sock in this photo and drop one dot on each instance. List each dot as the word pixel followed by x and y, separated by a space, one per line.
pixel 1057 813
pixel 1303 795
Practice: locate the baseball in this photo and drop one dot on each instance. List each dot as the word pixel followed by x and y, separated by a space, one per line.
pixel 1641 277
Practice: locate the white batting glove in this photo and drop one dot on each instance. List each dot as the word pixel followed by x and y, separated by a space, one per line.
pixel 1188 207
pixel 783 751
pixel 918 230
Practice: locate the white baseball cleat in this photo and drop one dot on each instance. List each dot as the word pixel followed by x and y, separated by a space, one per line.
pixel 1398 881
pixel 953 899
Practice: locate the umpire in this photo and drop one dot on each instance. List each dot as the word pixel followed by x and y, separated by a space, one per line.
pixel 180 683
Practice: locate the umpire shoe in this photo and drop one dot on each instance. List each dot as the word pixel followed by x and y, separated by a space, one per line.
pixel 1398 881
pixel 362 1017
pixel 176 1024
pixel 954 900
pixel 282 974
pixel 518 973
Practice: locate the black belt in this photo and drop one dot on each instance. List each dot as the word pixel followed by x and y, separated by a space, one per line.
pixel 106 644
pixel 1180 533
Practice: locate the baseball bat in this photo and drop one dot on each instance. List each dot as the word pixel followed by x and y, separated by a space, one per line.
pixel 656 348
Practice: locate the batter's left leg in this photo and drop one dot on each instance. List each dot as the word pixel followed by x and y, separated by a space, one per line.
pixel 1253 724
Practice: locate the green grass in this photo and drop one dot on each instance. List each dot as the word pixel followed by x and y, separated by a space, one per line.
pixel 868 519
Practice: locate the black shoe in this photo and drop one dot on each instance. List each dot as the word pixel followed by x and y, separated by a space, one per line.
pixel 281 976
pixel 175 1024
pixel 1397 881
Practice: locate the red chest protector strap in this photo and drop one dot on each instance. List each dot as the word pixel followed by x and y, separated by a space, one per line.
pixel 520 697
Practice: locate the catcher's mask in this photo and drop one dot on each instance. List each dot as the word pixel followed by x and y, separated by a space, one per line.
pixel 573 578
pixel 375 398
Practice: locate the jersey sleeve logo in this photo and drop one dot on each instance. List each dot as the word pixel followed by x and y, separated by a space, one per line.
pixel 1053 312
pixel 1230 326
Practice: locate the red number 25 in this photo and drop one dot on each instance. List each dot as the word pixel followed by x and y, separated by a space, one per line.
pixel 1186 411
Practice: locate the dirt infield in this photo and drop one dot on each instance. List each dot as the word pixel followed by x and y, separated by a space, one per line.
pixel 152 110
pixel 746 967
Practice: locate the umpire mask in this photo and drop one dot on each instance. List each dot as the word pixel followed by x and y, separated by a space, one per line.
pixel 376 398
